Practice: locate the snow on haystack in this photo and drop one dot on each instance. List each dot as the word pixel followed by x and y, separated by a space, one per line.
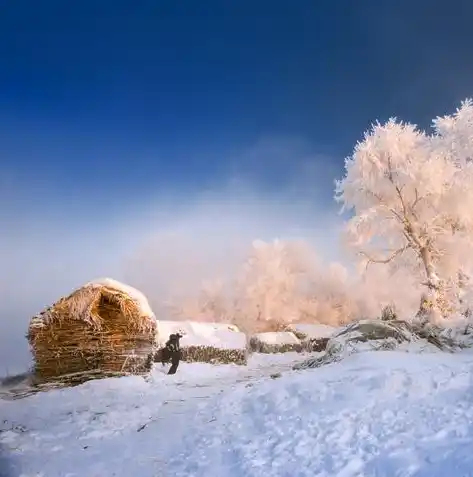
pixel 275 342
pixel 205 342
pixel 128 290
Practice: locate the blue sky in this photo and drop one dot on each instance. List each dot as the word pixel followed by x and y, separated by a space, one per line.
pixel 122 122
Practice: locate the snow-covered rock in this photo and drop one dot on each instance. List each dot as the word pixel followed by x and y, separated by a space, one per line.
pixel 366 335
pixel 363 335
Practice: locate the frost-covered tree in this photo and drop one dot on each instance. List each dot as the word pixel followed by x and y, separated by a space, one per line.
pixel 379 287
pixel 284 282
pixel 209 303
pixel 269 284
pixel 411 196
pixel 329 296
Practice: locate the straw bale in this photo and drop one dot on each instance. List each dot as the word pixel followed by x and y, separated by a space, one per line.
pixel 314 337
pixel 210 354
pixel 98 330
pixel 275 342
pixel 205 333
pixel 205 342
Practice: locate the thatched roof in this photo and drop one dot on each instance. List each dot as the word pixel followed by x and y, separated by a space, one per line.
pixel 82 304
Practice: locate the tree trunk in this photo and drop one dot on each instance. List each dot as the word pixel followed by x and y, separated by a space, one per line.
pixel 433 306
pixel 432 279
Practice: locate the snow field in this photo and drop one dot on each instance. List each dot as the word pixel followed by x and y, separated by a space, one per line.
pixel 377 414
pixel 381 413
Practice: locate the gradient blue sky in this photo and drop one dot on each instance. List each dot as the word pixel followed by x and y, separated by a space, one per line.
pixel 121 121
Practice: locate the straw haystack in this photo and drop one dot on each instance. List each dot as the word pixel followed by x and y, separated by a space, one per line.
pixel 215 343
pixel 104 328
pixel 275 342
pixel 314 337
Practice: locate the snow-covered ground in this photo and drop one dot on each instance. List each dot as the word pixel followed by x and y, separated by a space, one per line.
pixel 381 413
